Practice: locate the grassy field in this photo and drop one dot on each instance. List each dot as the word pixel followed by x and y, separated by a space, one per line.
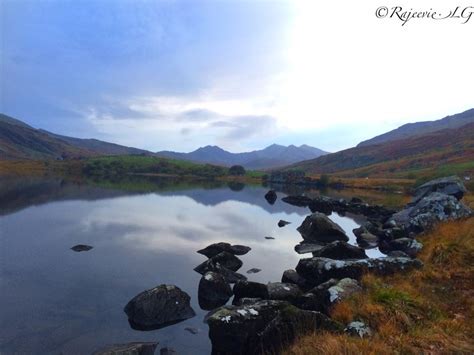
pixel 426 311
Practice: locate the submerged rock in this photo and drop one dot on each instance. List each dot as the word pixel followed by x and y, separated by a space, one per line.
pixel 319 228
pixel 341 250
pixel 168 351
pixel 271 197
pixel 227 260
pixel 192 330
pixel 81 247
pixel 263 327
pixel 269 238
pixel 158 307
pixel 282 223
pixel 214 291
pixel 134 348
pixel 253 270
pixel 217 248
pixel 318 270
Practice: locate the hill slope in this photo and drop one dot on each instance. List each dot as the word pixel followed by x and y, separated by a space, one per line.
pixel 21 141
pixel 272 156
pixel 421 128
pixel 445 148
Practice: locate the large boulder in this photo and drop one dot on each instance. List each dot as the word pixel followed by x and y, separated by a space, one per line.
pixel 342 290
pixel 341 250
pixel 292 277
pixel 318 270
pixel 158 307
pixel 305 248
pixel 428 211
pixel 265 327
pixel 216 248
pixel 319 228
pixel 214 291
pixel 135 348
pixel 283 291
pixel 229 275
pixel 451 185
pixel 227 260
pixel 317 298
pixel 271 197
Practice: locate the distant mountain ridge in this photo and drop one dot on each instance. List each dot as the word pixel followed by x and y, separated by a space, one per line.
pixel 272 156
pixel 420 128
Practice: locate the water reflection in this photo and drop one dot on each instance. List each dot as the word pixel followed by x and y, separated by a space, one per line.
pixel 55 300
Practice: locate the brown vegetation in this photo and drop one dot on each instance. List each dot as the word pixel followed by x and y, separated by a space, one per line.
pixel 427 311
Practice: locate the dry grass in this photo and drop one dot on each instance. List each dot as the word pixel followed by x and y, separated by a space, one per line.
pixel 426 311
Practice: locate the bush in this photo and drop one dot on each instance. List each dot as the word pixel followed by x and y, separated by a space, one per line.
pixel 237 170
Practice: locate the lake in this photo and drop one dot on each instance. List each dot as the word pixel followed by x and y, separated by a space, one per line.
pixel 57 301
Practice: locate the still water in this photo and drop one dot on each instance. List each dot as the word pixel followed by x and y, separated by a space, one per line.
pixel 56 301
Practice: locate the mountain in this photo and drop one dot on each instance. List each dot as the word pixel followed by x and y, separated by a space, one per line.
pixel 448 149
pixel 271 157
pixel 421 128
pixel 21 141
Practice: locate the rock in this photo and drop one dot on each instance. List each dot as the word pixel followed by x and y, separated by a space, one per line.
pixel 283 223
pixel 358 329
pixel 317 270
pixel 168 351
pixel 305 248
pixel 451 185
pixel 269 238
pixel 263 327
pixel 192 330
pixel 253 270
pixel 367 240
pixel 271 197
pixel 428 211
pixel 217 248
pixel 214 291
pixel 229 275
pixel 319 228
pixel 300 201
pixel 283 291
pixel 316 299
pixel 158 307
pixel 356 200
pixel 292 277
pixel 135 348
pixel 250 289
pixel 81 247
pixel 341 250
pixel 409 246
pixel 246 301
pixel 322 204
pixel 398 254
pixel 227 260
pixel 343 289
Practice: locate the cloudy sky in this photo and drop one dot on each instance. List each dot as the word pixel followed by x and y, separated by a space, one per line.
pixel 241 74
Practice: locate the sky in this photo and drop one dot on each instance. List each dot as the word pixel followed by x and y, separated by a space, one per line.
pixel 244 74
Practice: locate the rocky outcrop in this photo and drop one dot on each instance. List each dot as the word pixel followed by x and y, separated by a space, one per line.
pixel 158 307
pixel 263 327
pixel 429 210
pixel 135 348
pixel 214 291
pixel 451 185
pixel 317 270
pixel 319 228
pixel 340 251
pixel 216 248
pixel 271 197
